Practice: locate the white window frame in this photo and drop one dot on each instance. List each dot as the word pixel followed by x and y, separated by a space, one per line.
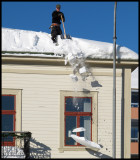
pixel 94 96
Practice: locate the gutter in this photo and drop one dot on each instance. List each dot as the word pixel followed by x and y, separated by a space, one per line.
pixel 59 60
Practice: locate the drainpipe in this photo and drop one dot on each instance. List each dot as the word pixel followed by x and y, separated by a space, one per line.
pixel 114 88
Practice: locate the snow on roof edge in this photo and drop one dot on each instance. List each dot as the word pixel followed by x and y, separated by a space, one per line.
pixel 90 48
pixel 53 55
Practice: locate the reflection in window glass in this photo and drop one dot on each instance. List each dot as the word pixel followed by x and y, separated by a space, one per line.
pixel 77 104
pixel 85 121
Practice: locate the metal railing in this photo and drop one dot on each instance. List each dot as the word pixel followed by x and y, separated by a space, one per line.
pixel 15 144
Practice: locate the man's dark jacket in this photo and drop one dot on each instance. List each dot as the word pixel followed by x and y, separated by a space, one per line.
pixel 56 18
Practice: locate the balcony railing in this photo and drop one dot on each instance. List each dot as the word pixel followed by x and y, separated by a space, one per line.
pixel 15 144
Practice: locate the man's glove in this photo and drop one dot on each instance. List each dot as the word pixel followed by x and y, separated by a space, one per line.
pixel 51 26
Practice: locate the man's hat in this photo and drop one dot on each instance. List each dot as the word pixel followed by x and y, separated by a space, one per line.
pixel 58 6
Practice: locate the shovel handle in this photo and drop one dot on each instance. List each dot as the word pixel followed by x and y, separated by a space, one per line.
pixel 63 27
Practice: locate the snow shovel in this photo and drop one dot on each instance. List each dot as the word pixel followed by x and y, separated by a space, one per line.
pixel 64 36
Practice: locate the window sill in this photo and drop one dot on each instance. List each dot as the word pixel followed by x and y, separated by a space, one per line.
pixel 73 148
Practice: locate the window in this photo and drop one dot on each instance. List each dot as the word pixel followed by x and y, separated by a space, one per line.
pixel 8 116
pixel 11 113
pixel 134 134
pixel 134 156
pixel 134 98
pixel 78 113
pixel 77 109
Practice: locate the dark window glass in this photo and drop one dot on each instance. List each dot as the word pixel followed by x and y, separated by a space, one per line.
pixel 7 122
pixel 70 125
pixel 7 102
pixel 134 134
pixel 135 156
pixel 7 125
pixel 134 97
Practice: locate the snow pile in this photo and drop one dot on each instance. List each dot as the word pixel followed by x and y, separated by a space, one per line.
pixel 30 41
pixel 134 79
pixel 11 152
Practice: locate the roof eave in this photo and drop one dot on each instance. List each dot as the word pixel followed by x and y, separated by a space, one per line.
pixel 60 61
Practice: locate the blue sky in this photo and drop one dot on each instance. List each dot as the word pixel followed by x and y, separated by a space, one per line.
pixel 85 19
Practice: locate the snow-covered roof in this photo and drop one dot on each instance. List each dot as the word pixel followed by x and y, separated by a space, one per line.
pixel 30 41
pixel 134 79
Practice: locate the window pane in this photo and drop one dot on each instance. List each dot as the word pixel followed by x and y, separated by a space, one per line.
pixel 7 125
pixel 70 125
pixel 77 104
pixel 134 97
pixel 7 102
pixel 134 132
pixel 7 122
pixel 7 138
pixel 85 121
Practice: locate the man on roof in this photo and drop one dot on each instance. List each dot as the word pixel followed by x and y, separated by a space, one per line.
pixel 56 22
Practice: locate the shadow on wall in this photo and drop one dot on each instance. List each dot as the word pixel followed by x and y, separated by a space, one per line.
pixel 98 154
pixel 95 84
pixel 39 150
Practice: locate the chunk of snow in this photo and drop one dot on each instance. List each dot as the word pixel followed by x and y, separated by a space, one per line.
pixel 74 77
pixel 82 70
pixel 86 142
pixel 80 129
pixel 71 57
